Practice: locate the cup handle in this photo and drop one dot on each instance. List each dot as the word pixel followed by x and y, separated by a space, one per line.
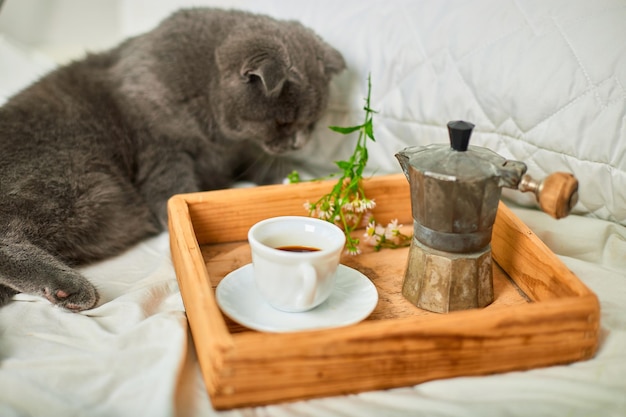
pixel 309 286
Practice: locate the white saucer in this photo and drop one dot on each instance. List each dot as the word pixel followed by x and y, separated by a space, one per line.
pixel 353 299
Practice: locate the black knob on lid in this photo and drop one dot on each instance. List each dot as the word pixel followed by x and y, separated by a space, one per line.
pixel 460 133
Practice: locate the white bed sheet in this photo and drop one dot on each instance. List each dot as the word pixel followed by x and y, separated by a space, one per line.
pixel 132 355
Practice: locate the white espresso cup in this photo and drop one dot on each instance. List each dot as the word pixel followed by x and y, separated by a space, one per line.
pixel 294 260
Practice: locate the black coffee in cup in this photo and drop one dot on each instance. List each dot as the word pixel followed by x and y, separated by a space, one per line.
pixel 297 248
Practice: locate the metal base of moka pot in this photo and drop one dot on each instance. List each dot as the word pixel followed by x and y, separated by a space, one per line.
pixel 442 282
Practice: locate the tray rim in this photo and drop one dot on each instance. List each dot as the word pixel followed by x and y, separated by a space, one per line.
pixel 222 354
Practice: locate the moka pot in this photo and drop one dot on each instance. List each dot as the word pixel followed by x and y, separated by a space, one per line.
pixel 455 190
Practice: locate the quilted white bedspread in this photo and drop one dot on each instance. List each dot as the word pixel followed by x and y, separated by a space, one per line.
pixel 543 81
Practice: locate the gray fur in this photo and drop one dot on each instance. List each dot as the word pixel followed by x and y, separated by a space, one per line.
pixel 92 152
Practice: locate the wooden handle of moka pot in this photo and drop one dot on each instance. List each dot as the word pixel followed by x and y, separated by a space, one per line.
pixel 558 194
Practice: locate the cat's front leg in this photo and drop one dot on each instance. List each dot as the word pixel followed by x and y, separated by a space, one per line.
pixel 29 269
pixel 161 178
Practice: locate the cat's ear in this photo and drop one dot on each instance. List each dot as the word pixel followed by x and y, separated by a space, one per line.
pixel 270 68
pixel 332 60
pixel 247 59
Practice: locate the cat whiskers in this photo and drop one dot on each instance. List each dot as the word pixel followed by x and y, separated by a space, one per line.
pixel 265 169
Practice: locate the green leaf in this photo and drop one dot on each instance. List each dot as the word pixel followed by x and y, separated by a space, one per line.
pixel 369 129
pixel 364 155
pixel 343 165
pixel 345 130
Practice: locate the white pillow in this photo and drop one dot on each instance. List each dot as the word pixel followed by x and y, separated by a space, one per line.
pixel 544 82
pixel 20 67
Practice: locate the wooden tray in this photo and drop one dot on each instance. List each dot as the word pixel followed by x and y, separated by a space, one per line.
pixel 542 315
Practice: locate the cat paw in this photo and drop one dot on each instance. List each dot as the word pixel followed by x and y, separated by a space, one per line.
pixel 76 300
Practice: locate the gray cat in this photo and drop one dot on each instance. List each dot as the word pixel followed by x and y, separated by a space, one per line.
pixel 91 153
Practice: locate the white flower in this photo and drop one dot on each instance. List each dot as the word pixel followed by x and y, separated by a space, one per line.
pixel 353 250
pixel 393 229
pixel 369 204
pixel 392 232
pixel 373 233
pixel 370 229
pixel 371 240
pixel 348 206
pixel 325 214
pixel 363 205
